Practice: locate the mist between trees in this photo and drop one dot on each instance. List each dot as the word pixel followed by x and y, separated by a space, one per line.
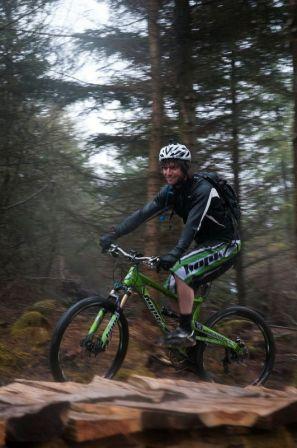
pixel 220 76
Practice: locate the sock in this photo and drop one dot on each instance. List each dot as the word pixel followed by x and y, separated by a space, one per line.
pixel 185 322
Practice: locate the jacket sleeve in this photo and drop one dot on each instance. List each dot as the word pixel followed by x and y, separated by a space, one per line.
pixel 152 208
pixel 200 205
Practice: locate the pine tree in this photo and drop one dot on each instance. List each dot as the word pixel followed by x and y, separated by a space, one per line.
pixel 224 88
pixel 293 30
pixel 41 168
pixel 153 178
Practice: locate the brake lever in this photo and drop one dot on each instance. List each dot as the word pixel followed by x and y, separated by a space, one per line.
pixel 153 262
pixel 113 250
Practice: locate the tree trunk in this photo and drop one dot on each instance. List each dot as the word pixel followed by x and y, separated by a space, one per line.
pixel 8 105
pixel 236 172
pixel 293 29
pixel 185 72
pixel 284 179
pixel 154 178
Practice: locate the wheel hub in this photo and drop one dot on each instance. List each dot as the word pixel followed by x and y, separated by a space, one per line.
pixel 91 346
pixel 233 356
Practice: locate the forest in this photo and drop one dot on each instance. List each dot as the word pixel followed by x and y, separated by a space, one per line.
pixel 219 76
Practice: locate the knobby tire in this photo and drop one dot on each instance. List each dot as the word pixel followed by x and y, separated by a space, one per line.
pixel 69 361
pixel 243 318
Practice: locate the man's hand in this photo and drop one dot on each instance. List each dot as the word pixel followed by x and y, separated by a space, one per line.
pixel 167 261
pixel 106 241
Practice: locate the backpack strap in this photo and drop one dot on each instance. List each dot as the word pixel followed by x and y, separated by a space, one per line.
pixel 213 183
pixel 224 199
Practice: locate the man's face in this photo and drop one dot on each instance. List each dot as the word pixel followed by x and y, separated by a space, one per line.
pixel 172 172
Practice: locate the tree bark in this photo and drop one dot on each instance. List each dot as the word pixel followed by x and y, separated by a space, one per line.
pixel 154 178
pixel 185 72
pixel 293 39
pixel 236 173
pixel 8 105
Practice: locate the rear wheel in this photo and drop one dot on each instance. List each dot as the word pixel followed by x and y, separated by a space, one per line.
pixel 255 362
pixel 77 356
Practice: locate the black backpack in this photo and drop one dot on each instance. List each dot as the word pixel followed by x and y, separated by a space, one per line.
pixel 226 193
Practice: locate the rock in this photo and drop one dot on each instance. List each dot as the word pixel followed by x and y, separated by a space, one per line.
pixel 46 307
pixel 43 411
pixel 33 336
pixel 91 421
pixel 32 327
pixel 30 319
pixel 37 423
pixel 10 361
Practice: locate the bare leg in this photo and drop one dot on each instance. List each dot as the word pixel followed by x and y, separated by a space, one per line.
pixel 185 296
pixel 184 334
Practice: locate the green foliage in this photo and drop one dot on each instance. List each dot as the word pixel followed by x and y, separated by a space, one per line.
pixel 53 205
pixel 241 73
pixel 47 192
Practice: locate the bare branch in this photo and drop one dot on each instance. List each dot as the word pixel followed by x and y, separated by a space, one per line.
pixel 266 257
pixel 17 204
pixel 21 17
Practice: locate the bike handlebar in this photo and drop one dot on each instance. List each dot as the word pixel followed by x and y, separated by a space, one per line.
pixel 132 256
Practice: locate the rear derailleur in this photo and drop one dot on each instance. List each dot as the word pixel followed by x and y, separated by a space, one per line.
pixel 232 356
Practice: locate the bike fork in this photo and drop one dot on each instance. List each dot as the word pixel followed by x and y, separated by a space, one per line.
pixel 120 303
pixel 106 335
pixel 124 299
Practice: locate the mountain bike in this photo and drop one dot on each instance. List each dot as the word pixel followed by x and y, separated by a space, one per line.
pixel 234 346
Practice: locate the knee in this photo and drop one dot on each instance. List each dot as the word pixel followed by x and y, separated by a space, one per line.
pixel 181 284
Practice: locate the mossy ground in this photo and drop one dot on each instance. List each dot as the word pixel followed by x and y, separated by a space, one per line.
pixel 25 332
pixel 26 328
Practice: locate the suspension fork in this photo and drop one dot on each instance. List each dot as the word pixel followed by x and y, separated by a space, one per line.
pixel 124 299
pixel 115 317
pixel 99 318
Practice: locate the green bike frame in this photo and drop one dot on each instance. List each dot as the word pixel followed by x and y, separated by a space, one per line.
pixel 136 281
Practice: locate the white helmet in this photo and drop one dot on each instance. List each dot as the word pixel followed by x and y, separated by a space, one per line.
pixel 175 151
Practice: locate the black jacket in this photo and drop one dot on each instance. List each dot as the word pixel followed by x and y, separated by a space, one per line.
pixel 198 203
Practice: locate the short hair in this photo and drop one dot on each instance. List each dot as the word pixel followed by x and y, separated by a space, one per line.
pixel 183 164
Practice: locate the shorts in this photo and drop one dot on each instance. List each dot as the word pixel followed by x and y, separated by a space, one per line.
pixel 203 264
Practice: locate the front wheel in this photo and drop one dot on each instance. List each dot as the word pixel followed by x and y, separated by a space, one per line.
pixel 76 350
pixel 253 365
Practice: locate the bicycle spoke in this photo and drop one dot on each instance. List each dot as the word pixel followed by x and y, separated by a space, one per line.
pixel 224 365
pixel 78 355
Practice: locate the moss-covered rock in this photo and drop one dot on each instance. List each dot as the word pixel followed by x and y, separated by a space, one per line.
pixel 46 307
pixel 32 328
pixel 11 361
pixel 30 319
pixel 31 336
pixel 7 358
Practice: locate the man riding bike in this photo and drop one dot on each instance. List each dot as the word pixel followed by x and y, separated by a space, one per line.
pixel 207 224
